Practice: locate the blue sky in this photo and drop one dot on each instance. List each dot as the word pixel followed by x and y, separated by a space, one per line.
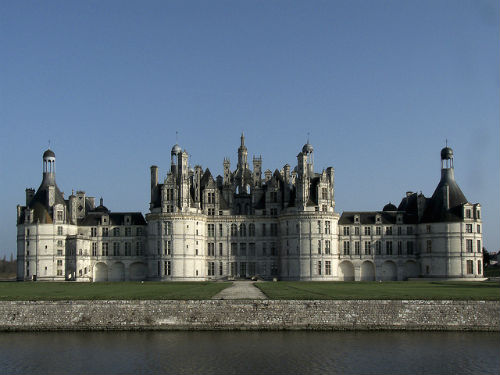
pixel 379 85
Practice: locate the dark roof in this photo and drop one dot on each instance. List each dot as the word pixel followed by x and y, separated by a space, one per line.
pixel 390 207
pixel 115 218
pixel 49 154
pixel 367 217
pixel 39 203
pixel 446 153
pixel 446 202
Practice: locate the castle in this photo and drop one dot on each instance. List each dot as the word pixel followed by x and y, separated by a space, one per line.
pixel 280 224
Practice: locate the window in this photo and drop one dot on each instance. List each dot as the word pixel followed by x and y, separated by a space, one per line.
pixel 59 273
pixel 346 248
pixel 327 247
pixel 116 248
pixel 168 227
pixel 273 249
pixel 367 231
pixel 211 268
pixel 468 214
pixel 105 232
pixel 428 228
pixel 400 231
pixel 220 269
pixel 220 249
pixel 470 267
pixel 319 267
pixel 128 231
pixel 59 215
pixel 468 245
pixel 324 193
pixel 243 249
pixel 264 249
pixel 105 247
pixel 138 232
pixel 221 230
pixel 128 249
pixel 168 247
pixel 409 231
pixel 400 248
pixel 429 246
pixel 211 249
pixel 357 247
pixel 388 231
pixel 479 268
pixel 328 267
pixel 243 230
pixel 263 229
pixel 356 231
pixel 59 231
pixel 388 247
pixel 251 230
pixel 211 197
pixel 234 230
pixel 327 227
pixel 59 263
pixel 478 214
pixel 378 231
pixel 94 249
pixel 116 231
pixel 409 247
pixel 211 211
pixel 274 229
pixel 252 249
pixel 319 246
pixel 274 211
pixel 170 194
pixel 168 268
pixel 233 248
pixel 378 247
pixel 93 232
pixel 468 228
pixel 478 228
pixel 211 230
pixel 324 207
pixel 274 197
pixel 346 231
pixel 59 243
pixel 243 269
pixel 479 246
pixel 368 250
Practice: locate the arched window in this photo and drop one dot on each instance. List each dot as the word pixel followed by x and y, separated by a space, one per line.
pixel 234 230
pixel 251 230
pixel 243 230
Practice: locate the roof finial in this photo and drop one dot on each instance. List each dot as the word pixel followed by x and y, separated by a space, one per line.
pixel 446 142
pixel 49 144
pixel 308 137
pixel 176 137
pixel 242 139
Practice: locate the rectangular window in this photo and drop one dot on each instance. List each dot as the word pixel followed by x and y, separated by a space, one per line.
pixel 211 211
pixel 346 231
pixel 367 231
pixel 327 247
pixel 138 232
pixel 479 246
pixel 478 228
pixel 168 247
pixel 211 268
pixel 243 249
pixel 378 231
pixel 324 193
pixel 479 268
pixel 93 232
pixel 264 249
pixel 388 247
pixel 59 215
pixel 243 269
pixel 368 250
pixel 94 249
pixel 211 249
pixel 264 229
pixel 116 232
pixel 168 268
pixel 400 230
pixel 429 246
pixel 105 249
pixel 211 230
pixel 220 269
pixel 252 249
pixel 347 249
pixel 319 246
pixel 220 230
pixel 220 249
pixel 319 267
pixel 274 229
pixel 59 272
pixel 128 249
pixel 409 231
pixel 468 244
pixel 470 267
pixel 409 247
pixel 378 247
pixel 105 232
pixel 428 228
pixel 138 248
pixel 274 211
pixel 468 228
pixel 388 231
pixel 356 231
pixel 59 231
pixel 233 248
pixel 357 247
pixel 468 214
pixel 328 267
pixel 400 248
pixel 273 249
pixel 116 248
pixel 59 263
pixel 327 227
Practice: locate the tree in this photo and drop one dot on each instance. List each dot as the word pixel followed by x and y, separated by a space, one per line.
pixel 486 257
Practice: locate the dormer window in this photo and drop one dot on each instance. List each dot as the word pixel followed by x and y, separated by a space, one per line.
pixel 468 213
pixel 356 219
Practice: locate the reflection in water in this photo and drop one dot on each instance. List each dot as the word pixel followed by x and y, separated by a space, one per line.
pixel 250 352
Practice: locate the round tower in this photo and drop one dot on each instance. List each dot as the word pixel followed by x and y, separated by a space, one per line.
pixel 49 167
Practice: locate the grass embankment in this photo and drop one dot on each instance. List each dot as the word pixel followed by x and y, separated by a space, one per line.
pixel 49 291
pixel 434 290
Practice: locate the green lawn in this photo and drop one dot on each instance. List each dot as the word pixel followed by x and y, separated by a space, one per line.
pixel 31 291
pixel 461 290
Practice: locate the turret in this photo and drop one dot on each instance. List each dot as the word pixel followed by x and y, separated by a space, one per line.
pixel 242 154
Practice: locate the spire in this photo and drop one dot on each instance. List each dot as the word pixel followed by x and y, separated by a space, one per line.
pixel 242 140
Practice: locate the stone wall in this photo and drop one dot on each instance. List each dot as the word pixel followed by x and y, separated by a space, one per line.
pixel 250 315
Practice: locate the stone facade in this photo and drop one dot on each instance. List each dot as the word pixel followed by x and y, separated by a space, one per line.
pixel 250 315
pixel 280 224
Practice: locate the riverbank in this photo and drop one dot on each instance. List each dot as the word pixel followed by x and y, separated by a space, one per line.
pixel 441 315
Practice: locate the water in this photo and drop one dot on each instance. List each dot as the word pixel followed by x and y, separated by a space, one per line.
pixel 250 353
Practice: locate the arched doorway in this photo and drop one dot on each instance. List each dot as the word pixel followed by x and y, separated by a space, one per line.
pixel 137 271
pixel 367 271
pixel 389 271
pixel 346 271
pixel 100 272
pixel 117 272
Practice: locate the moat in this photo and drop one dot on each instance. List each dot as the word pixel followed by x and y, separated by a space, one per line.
pixel 250 352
